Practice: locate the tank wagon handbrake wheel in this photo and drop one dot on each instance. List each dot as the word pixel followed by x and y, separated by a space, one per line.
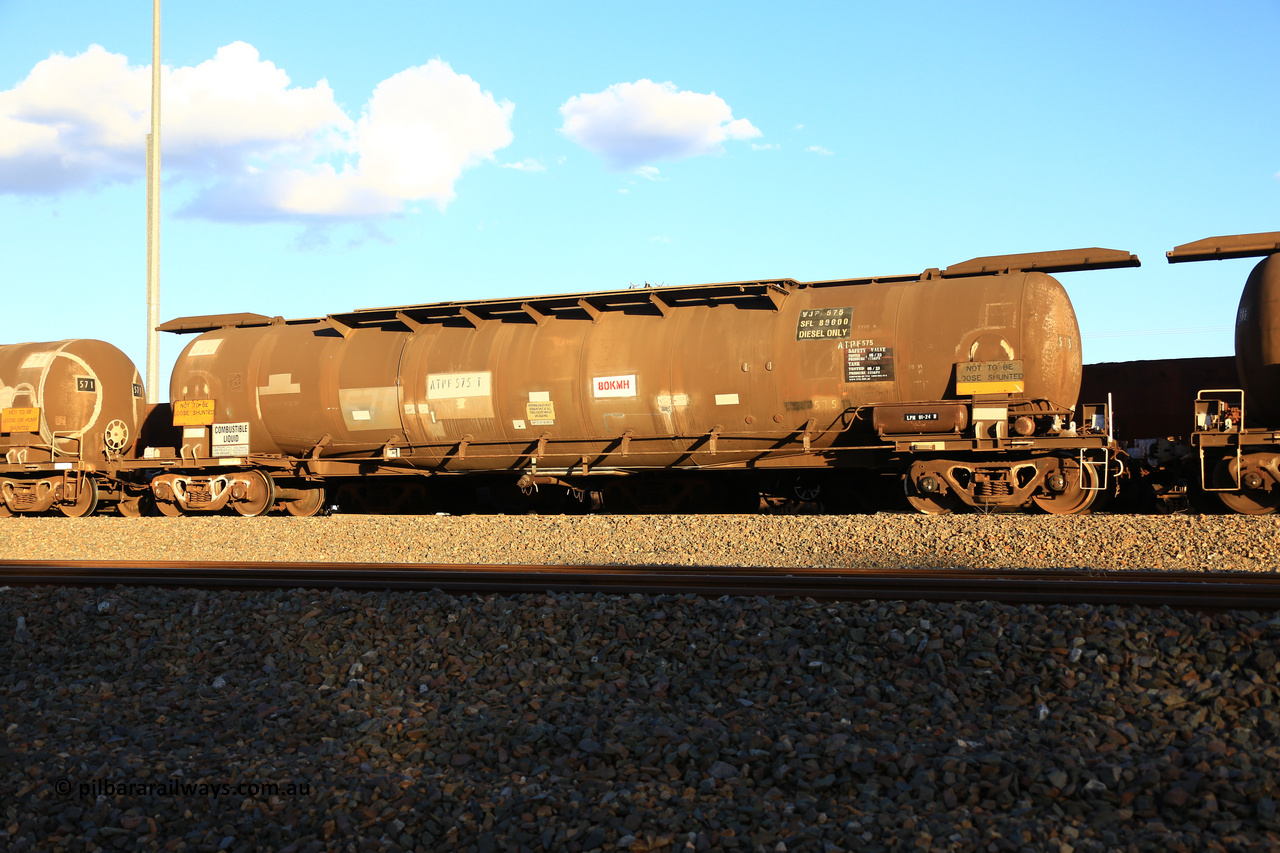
pixel 116 436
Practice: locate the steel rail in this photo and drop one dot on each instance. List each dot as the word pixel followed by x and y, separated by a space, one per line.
pixel 1200 590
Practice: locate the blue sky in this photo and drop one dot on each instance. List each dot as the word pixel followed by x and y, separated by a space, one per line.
pixel 592 146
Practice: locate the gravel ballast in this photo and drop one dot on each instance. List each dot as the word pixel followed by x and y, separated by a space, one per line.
pixel 1193 542
pixel 155 719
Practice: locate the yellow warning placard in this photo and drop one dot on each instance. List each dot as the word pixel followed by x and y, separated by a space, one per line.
pixel 193 412
pixel 989 377
pixel 20 420
pixel 541 412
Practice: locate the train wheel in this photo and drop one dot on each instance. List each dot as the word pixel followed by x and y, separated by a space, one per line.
pixel 805 490
pixel 5 512
pixel 930 503
pixel 260 498
pixel 308 505
pixel 86 501
pixel 130 507
pixel 169 509
pixel 413 499
pixel 1247 501
pixel 1077 494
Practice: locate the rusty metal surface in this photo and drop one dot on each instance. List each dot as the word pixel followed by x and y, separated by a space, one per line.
pixel 1196 590
pixel 1258 343
pixel 1229 246
pixel 918 418
pixel 713 374
pixel 295 384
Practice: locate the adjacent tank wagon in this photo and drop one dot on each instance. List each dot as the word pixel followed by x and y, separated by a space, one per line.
pixel 71 414
pixel 1237 430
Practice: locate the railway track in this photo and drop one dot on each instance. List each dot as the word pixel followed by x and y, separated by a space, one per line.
pixel 1199 590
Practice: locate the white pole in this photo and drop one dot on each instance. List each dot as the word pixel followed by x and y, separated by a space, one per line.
pixel 153 216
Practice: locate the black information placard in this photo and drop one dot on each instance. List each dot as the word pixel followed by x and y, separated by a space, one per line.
pixel 824 324
pixel 868 364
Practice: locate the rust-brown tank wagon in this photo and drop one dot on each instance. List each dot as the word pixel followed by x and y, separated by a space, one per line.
pixel 963 379
pixel 723 362
pixel 70 411
pixel 1238 428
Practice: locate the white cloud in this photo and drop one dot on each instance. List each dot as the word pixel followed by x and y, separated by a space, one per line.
pixel 818 149
pixel 253 146
pixel 633 124
pixel 72 122
pixel 236 106
pixel 768 146
pixel 526 165
pixel 648 172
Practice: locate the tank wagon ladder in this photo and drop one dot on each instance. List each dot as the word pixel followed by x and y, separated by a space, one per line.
pixel 1220 419
pixel 1100 468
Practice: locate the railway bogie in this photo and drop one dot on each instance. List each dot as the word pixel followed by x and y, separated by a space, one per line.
pixel 1059 484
